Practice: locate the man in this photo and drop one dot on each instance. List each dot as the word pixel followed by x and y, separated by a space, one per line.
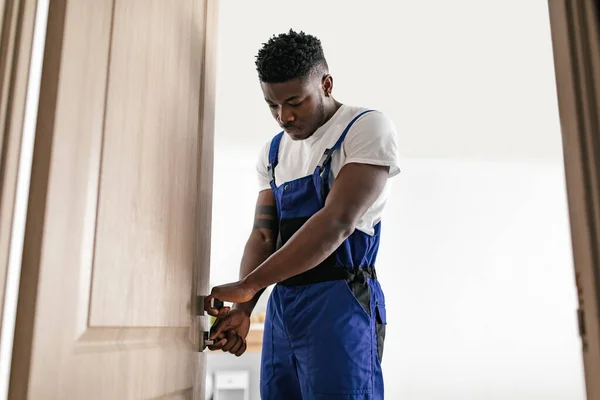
pixel 323 186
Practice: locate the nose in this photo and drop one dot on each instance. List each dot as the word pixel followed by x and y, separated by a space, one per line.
pixel 285 115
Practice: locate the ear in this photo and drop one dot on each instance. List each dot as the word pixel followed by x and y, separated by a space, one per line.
pixel 327 84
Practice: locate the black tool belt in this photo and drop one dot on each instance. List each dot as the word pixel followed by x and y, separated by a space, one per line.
pixel 325 273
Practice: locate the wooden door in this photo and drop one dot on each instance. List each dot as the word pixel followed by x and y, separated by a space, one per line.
pixel 576 42
pixel 118 223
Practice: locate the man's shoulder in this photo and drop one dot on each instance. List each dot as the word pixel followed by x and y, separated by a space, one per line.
pixel 367 115
pixel 371 132
pixel 371 121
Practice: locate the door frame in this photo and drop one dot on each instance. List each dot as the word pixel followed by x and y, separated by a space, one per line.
pixel 205 184
pixel 576 44
pixel 22 40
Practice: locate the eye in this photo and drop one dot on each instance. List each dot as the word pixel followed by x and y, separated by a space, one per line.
pixel 272 106
pixel 296 104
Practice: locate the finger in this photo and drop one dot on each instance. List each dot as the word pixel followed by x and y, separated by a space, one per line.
pixel 218 345
pixel 212 306
pixel 215 312
pixel 222 312
pixel 219 313
pixel 242 349
pixel 220 327
pixel 232 339
pixel 237 346
pixel 207 301
pixel 218 342
pixel 225 293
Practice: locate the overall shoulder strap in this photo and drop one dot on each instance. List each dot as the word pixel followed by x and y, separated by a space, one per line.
pixel 273 156
pixel 326 158
pixel 343 135
pixel 321 174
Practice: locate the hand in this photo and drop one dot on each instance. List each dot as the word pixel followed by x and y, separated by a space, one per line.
pixel 230 331
pixel 237 292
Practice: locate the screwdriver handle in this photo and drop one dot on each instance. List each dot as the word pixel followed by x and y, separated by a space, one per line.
pixel 216 304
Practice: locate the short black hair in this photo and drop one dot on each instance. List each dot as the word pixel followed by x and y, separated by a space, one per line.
pixel 289 56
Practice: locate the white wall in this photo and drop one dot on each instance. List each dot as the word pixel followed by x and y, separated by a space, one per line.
pixel 460 78
pixel 475 256
pixel 476 265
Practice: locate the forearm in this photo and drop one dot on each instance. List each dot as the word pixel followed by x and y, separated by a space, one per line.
pixel 257 250
pixel 318 238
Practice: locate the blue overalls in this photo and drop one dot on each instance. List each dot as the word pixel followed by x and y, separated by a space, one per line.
pixel 324 328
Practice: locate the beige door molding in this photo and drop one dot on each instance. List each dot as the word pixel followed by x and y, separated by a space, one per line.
pixel 576 43
pixel 17 23
pixel 23 30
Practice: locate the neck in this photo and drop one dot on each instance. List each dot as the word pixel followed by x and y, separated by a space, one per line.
pixel 331 108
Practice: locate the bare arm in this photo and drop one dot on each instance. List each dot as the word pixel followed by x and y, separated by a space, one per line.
pixel 261 243
pixel 355 189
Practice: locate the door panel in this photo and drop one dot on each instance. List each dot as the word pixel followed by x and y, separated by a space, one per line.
pixel 145 250
pixel 118 204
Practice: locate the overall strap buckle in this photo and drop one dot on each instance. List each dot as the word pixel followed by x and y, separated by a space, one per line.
pixel 325 159
pixel 271 170
pixel 274 156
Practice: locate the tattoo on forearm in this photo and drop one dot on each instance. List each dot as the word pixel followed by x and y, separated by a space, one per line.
pixel 266 210
pixel 263 223
pixel 266 217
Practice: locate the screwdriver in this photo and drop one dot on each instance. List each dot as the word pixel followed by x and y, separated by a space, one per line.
pixel 214 304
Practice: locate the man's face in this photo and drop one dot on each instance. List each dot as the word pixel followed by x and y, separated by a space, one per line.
pixel 296 105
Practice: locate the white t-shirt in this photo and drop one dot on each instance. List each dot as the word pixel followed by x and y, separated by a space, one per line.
pixel 371 140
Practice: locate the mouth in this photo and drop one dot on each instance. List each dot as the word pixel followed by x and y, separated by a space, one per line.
pixel 291 129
